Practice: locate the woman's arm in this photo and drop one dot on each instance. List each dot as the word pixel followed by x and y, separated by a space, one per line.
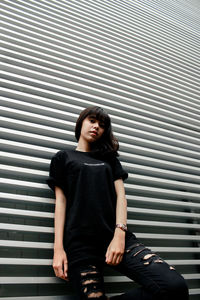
pixel 60 257
pixel 121 209
pixel 116 248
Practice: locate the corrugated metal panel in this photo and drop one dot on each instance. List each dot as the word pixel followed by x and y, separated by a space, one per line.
pixel 140 61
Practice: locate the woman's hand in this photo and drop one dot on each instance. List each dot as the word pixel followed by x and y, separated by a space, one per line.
pixel 115 250
pixel 60 264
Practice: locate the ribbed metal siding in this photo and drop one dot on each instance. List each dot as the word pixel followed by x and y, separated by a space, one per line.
pixel 140 61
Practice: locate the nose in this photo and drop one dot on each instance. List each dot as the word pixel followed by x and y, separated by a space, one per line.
pixel 96 125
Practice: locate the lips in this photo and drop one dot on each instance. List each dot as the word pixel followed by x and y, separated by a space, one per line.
pixel 93 132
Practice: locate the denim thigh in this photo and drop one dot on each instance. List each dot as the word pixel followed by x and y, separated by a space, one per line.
pixel 148 269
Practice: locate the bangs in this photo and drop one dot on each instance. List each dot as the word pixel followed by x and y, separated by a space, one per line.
pixel 99 114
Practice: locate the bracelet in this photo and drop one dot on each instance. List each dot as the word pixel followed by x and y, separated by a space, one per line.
pixel 121 226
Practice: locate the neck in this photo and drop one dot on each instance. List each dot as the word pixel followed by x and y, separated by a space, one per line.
pixel 83 146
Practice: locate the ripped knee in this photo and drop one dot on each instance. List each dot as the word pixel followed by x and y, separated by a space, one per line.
pixel 152 257
pixel 138 249
pixel 149 257
pixel 95 295
pixel 91 283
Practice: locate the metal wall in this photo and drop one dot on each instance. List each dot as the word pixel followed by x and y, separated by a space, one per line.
pixel 140 61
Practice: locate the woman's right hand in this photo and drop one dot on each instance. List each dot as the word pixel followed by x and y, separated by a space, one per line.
pixel 60 264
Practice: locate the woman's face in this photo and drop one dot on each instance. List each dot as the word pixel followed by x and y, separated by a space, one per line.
pixel 92 129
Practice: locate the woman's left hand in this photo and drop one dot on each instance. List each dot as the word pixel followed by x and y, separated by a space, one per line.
pixel 115 250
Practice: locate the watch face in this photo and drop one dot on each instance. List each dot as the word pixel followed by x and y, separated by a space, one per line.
pixel 122 226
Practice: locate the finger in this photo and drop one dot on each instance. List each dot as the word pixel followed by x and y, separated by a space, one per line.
pixel 114 258
pixel 65 268
pixel 107 254
pixel 65 272
pixel 55 270
pixel 109 257
pixel 119 259
pixel 65 275
pixel 60 272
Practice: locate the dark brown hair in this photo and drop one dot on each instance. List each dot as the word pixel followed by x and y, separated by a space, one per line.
pixel 107 145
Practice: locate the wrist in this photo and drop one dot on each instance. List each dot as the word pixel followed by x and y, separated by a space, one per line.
pixel 58 247
pixel 121 226
pixel 119 232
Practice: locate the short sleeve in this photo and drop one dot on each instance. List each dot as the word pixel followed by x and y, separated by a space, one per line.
pixel 118 171
pixel 56 171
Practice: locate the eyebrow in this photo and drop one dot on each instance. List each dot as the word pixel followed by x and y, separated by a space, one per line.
pixel 94 117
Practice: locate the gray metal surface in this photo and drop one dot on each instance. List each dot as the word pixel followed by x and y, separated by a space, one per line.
pixel 139 60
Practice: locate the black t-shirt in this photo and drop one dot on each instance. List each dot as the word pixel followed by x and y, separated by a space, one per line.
pixel 88 184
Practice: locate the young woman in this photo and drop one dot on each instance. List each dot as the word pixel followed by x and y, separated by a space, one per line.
pixel 91 215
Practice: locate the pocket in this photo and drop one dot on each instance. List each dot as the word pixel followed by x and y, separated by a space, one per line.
pixel 130 239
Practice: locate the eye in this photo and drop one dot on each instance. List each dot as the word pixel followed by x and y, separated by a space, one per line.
pixel 92 120
pixel 102 125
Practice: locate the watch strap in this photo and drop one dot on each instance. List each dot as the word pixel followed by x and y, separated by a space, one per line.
pixel 121 226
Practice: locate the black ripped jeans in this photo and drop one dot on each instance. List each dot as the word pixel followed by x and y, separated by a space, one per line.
pixel 158 280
